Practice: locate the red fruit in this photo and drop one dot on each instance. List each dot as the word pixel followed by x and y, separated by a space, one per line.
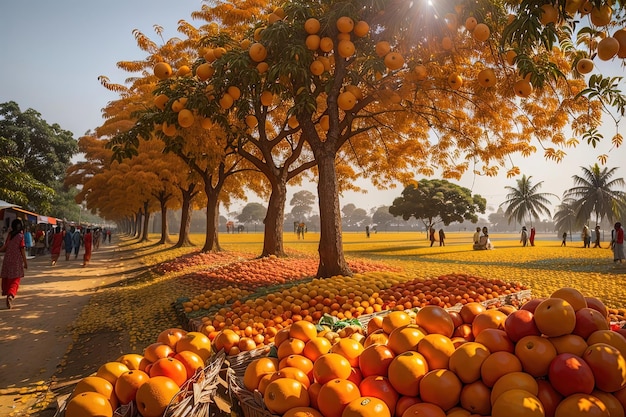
pixel 171 368
pixel 456 318
pixel 531 305
pixel 548 396
pixel 192 361
pixel 608 366
pixel 570 374
pixel 596 304
pixel 521 323
pixel 588 320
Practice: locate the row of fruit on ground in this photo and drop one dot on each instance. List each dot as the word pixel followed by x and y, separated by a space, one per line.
pixel 550 357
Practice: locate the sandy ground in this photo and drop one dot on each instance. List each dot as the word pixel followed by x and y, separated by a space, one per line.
pixel 38 356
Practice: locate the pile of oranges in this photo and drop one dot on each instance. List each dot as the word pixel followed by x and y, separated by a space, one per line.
pixel 551 357
pixel 149 381
pixel 259 317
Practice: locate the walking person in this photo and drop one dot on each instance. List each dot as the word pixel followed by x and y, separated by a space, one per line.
pixel 586 236
pixel 442 236
pixel 564 241
pixel 88 242
pixel 28 241
pixel 56 244
pixel 618 249
pixel 596 237
pixel 531 238
pixel 14 262
pixel 432 236
pixel 68 241
pixel 367 231
pixel 524 236
pixel 76 239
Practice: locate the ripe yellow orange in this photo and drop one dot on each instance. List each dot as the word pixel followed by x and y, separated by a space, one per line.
pixel 345 24
pixel 608 48
pixel 620 35
pixel 514 380
pixel 487 78
pixel 436 349
pixel 99 385
pixel 470 23
pixel 406 371
pixel 584 66
pixel 291 346
pixel 331 366
pixel 481 32
pixel 293 373
pixel 267 98
pixel 405 338
pixel 455 81
pixel 127 385
pixel 495 340
pixel 510 56
pixel 292 122
pixel 89 404
pixel 382 48
pixel 601 16
pixel 366 407
pixel 302 412
pixel 185 118
pixel 297 361
pixel 205 71
pixel 345 48
pixel 441 387
pixel 325 122
pixel 219 52
pixel 349 349
pixel 466 361
pixel 326 44
pixel 111 371
pixel 573 296
pixel 251 121
pixel 614 407
pixel 394 320
pixel 257 52
pixel 312 26
pixel 435 319
pixel 196 342
pixel 517 403
pixel 421 73
pixel 375 360
pixel 257 369
pixel 579 405
pixel 555 317
pixel 262 67
pixel 312 42
pixel 358 94
pixel 179 104
pixel 316 347
pixel 424 409
pixel 303 330
pixel 285 393
pixel 160 101
pixel 394 61
pixel 154 395
pixel 346 101
pixel 335 395
pixel 133 361
pixel 162 70
pixel 475 397
pixel 523 88
pixel 234 92
pixel 380 387
pixel 169 130
pixel 226 102
pixel 361 28
pixel 569 343
pixel 498 364
pixel 183 70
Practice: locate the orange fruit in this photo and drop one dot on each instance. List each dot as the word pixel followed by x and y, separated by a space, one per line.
pixel 345 24
pixel 171 336
pixel 158 350
pixel 469 311
pixel 548 396
pixel 345 49
pixel 481 32
pixel 609 337
pixel 514 380
pixel 285 393
pixel 404 403
pixel 312 26
pixel 405 372
pixel 297 361
pixel 498 364
pixel 555 317
pixel 394 61
pixel 441 387
pixel 611 402
pixel 435 319
pixel 489 319
pixel 346 100
pixel 316 347
pixel 424 410
pixel 133 361
pixel 394 320
pixel 331 366
pixel 257 52
pixel 376 322
pixel 198 343
pixel 160 101
pixel 382 48
pixel 162 70
pixel 405 338
pixel 569 343
pixel 111 371
pixel 154 395
pixel 267 98
pixel 476 397
pixel 375 360
pixel 303 330
pixel 535 353
pixel 381 388
pixel 281 335
pixel 574 297
pixel 517 403
pixel 256 370
pixel 293 373
pixel 495 340
pixel 579 405
pixel 335 395
pixel 608 366
pixel 89 404
pixel 522 88
pixel 302 412
pixel 171 368
pixel 467 360
pixel 225 340
pixel 349 349
pixel 470 23
pixel 366 407
pixel 205 71
pixel 265 381
pixel 436 349
pixel 127 385
pixel 291 346
pixel 326 44
pixel 361 28
pixel 379 337
pixel 314 391
pixel 99 385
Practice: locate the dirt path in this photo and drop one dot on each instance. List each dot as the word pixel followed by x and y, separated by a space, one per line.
pixel 36 336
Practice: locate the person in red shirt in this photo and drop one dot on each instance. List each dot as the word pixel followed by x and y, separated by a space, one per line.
pixel 57 243
pixel 14 262
pixel 618 248
pixel 88 243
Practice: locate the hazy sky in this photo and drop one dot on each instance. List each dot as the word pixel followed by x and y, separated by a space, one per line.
pixel 53 52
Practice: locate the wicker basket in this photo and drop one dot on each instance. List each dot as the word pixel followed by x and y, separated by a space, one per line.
pixel 243 402
pixel 239 362
pixel 128 410
pixel 197 394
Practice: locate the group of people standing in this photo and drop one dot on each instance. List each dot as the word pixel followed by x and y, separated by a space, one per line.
pixel 526 238
pixel 431 235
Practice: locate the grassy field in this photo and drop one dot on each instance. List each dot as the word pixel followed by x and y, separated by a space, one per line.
pixel 142 307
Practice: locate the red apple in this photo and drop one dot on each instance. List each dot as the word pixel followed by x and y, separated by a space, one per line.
pixel 588 320
pixel 532 304
pixel 570 374
pixel 519 324
pixel 548 396
pixel 171 336
pixel 191 361
pixel 171 368
pixel 596 304
pixel 608 366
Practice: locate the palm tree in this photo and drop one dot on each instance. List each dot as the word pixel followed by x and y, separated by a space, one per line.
pixel 565 217
pixel 595 192
pixel 525 201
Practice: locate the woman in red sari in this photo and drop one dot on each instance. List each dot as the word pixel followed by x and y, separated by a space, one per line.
pixel 57 243
pixel 88 242
pixel 14 262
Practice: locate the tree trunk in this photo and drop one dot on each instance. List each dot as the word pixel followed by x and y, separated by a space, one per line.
pixel 165 228
pixel 211 243
pixel 273 243
pixel 185 219
pixel 137 227
pixel 146 222
pixel 332 261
